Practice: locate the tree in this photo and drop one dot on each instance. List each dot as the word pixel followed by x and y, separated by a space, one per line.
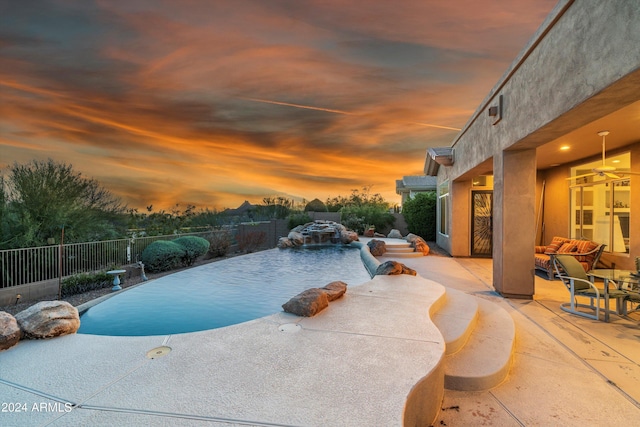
pixel 315 205
pixel 420 214
pixel 42 197
pixel 362 209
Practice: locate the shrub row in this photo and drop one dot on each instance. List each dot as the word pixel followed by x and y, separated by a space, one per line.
pixel 85 282
pixel 164 255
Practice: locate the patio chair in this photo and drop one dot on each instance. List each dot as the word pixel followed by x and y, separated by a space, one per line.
pixel 573 276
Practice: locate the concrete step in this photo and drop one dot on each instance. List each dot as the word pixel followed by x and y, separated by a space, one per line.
pixel 456 319
pixel 485 359
pixel 394 255
pixel 400 249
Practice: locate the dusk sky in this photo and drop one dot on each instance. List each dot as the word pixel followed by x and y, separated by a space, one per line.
pixel 215 102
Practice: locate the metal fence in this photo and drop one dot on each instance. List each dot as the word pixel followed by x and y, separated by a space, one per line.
pixel 29 265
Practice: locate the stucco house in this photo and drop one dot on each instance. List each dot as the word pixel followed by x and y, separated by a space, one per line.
pixel 528 165
pixel 411 185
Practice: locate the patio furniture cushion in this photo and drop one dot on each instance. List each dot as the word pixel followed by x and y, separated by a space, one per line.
pixel 555 244
pixel 568 247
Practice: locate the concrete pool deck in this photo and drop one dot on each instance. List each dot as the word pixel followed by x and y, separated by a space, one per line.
pixel 566 370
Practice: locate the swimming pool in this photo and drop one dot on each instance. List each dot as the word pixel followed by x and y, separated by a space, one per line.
pixel 222 293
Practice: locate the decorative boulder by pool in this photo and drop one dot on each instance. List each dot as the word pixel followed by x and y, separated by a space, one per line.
pixel 335 290
pixel 307 303
pixel 394 234
pixel 48 319
pixel 392 268
pixel 377 247
pixel 9 331
pixel 348 236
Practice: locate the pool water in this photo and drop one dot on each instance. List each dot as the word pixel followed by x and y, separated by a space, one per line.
pixel 222 293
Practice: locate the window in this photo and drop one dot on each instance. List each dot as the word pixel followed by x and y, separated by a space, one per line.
pixel 443 200
pixel 600 205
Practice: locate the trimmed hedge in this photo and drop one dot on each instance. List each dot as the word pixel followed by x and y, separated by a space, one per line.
pixel 162 255
pixel 194 247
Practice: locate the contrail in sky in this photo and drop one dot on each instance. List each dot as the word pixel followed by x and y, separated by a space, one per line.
pixel 329 110
pixel 308 107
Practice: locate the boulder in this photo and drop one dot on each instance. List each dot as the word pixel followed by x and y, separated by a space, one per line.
pixel 412 237
pixel 392 268
pixel 394 234
pixel 48 319
pixel 335 290
pixel 348 236
pixel 9 331
pixel 296 238
pixel 377 247
pixel 284 243
pixel 421 246
pixel 307 303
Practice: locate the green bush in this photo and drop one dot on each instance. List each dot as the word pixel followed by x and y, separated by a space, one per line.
pixel 357 217
pixel 162 255
pixel 85 282
pixel 194 247
pixel 219 243
pixel 298 219
pixel 420 214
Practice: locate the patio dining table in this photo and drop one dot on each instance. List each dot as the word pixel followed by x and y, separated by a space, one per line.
pixel 617 277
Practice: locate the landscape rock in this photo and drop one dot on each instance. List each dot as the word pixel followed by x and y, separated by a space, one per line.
pixel 284 243
pixel 392 268
pixel 377 247
pixel 307 303
pixel 48 319
pixel 348 236
pixel 9 331
pixel 335 290
pixel 412 237
pixel 418 243
pixel 421 246
pixel 296 238
pixel 394 234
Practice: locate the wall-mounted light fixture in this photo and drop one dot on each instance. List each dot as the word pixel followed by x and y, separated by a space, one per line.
pixel 495 111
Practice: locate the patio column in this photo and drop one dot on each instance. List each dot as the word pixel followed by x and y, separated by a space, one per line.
pixel 460 211
pixel 514 223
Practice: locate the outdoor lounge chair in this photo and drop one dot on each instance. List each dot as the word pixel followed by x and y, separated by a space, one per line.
pixel 573 276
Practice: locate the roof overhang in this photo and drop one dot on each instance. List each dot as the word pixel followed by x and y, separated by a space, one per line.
pixel 436 157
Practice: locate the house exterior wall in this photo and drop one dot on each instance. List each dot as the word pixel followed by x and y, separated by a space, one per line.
pixel 581 65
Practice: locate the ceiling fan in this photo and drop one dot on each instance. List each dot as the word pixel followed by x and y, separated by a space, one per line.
pixel 604 170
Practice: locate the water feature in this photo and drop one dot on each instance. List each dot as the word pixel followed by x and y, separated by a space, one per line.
pixel 223 293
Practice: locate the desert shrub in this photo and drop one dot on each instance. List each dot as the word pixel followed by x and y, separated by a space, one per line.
pixel 162 255
pixel 250 241
pixel 194 247
pixel 85 282
pixel 357 217
pixel 420 214
pixel 298 219
pixel 219 243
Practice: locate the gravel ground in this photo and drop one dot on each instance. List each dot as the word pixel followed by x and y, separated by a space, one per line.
pixel 79 299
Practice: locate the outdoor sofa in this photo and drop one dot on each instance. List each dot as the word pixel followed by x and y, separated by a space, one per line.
pixel 586 252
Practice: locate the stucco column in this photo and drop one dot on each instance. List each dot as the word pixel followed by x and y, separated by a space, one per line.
pixel 514 223
pixel 460 214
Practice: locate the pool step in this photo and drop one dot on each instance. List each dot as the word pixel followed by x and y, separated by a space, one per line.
pixel 479 337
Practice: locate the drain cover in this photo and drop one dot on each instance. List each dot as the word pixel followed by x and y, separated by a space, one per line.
pixel 289 327
pixel 154 353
